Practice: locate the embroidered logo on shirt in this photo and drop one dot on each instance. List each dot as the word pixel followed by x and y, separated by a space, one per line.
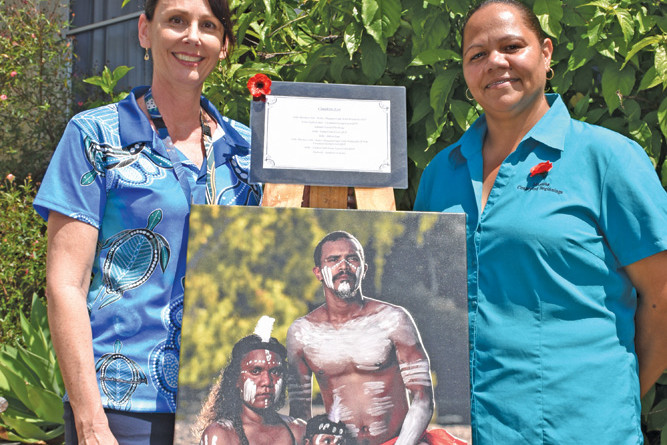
pixel 541 186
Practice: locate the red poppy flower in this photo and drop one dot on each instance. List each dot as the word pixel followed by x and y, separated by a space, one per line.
pixel 259 86
pixel 541 168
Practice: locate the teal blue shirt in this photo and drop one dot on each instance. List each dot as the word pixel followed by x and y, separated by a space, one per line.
pixel 112 171
pixel 551 311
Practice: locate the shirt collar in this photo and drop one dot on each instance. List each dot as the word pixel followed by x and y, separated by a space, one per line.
pixel 557 116
pixel 134 127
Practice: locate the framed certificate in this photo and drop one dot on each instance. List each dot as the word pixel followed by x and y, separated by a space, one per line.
pixel 329 134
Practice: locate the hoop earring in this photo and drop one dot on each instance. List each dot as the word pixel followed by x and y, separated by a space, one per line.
pixel 147 57
pixel 469 95
pixel 550 72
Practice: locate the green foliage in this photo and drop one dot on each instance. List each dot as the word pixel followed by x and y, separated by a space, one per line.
pixel 107 83
pixel 610 62
pixel 34 84
pixel 654 413
pixel 22 255
pixel 31 383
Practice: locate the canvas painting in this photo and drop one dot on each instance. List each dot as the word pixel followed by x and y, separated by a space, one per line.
pixel 318 326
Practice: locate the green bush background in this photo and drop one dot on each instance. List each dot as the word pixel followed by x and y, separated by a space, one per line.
pixel 610 63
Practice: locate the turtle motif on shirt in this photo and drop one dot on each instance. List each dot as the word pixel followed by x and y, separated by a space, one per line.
pixel 132 258
pixel 104 156
pixel 163 362
pixel 119 377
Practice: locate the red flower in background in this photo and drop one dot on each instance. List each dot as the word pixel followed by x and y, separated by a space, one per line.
pixel 541 168
pixel 259 86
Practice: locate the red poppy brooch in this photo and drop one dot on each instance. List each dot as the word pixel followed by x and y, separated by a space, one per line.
pixel 541 169
pixel 259 86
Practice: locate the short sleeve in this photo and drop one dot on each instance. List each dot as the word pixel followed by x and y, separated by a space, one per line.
pixel 634 205
pixel 75 182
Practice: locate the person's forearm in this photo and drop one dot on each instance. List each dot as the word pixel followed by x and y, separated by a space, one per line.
pixel 417 379
pixel 651 343
pixel 648 276
pixel 72 339
pixel 70 253
pixel 416 421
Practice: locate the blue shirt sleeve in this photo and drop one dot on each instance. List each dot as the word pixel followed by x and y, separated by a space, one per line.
pixel 73 186
pixel 633 211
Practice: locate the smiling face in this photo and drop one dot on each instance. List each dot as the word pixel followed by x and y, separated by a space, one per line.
pixel 186 41
pixel 504 61
pixel 261 379
pixel 341 267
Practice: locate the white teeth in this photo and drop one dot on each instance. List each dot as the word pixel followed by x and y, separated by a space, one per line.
pixel 185 58
pixel 500 82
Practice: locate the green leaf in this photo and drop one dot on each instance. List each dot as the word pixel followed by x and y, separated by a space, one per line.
pixel 28 432
pixel 433 130
pixel 434 55
pixel 627 23
pixel 640 132
pixel 16 383
pixel 47 405
pixel 463 113
pixel 431 27
pixel 373 60
pixel 381 18
pixel 352 38
pixel 631 109
pixel 40 366
pixel 657 418
pixel 581 54
pixel 119 73
pixel 647 401
pixel 421 110
pixel 12 361
pixel 661 62
pixel 616 84
pixel 643 43
pixel 662 117
pixel 650 79
pixel 458 7
pixel 440 89
pixel 581 105
pixel 549 13
pixel 125 2
pixel 34 338
pixel 663 378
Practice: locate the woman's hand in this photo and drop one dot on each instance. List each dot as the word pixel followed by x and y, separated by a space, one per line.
pixel 97 432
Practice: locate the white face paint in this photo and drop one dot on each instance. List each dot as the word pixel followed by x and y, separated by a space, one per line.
pixel 279 390
pixel 249 391
pixel 346 289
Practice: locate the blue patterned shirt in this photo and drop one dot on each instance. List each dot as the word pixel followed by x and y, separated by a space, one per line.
pixel 112 171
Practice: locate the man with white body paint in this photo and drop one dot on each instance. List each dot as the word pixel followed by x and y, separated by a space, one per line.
pixel 242 406
pixel 364 352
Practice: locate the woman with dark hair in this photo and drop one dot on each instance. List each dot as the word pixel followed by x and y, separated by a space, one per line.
pixel 242 406
pixel 117 196
pixel 566 224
